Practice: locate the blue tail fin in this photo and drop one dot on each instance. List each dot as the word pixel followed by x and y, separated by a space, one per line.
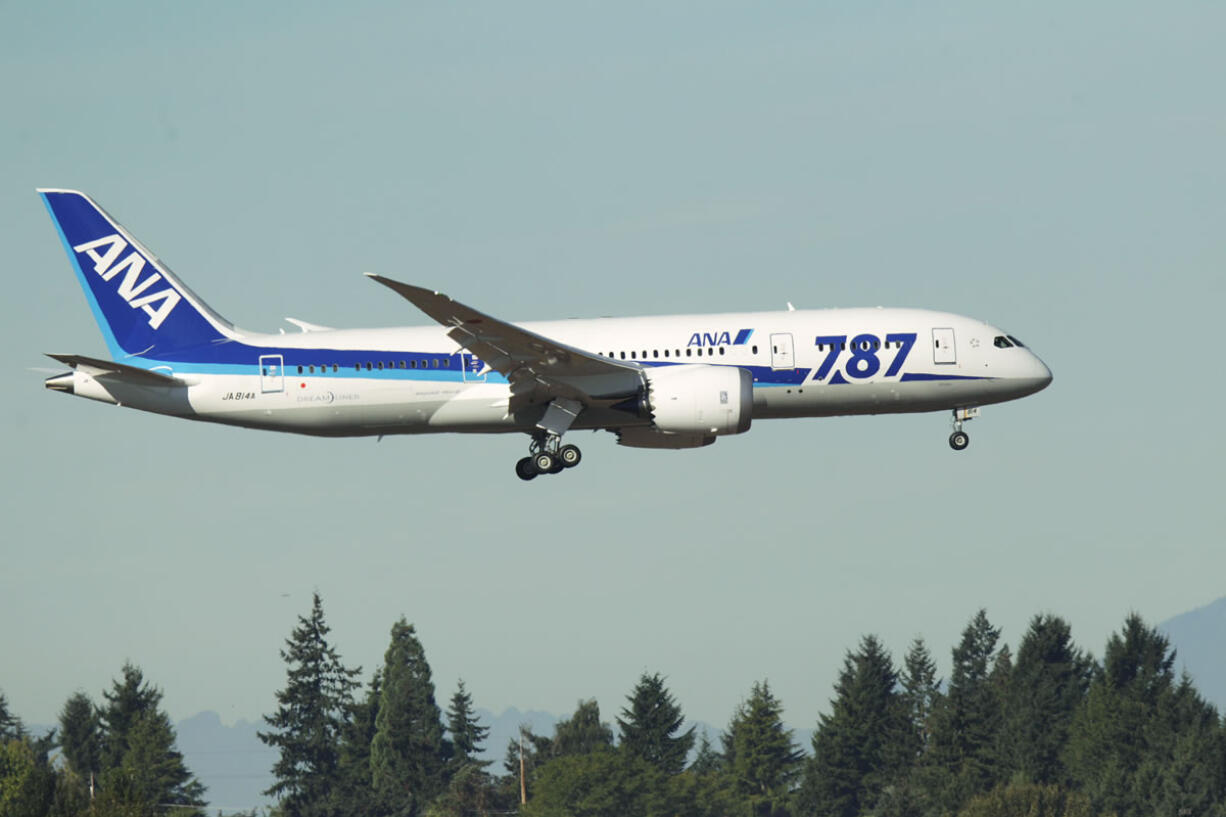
pixel 140 306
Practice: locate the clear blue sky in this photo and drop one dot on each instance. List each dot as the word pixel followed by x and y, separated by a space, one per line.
pixel 1054 168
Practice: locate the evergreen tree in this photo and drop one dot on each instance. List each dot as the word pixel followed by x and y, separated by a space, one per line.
pixel 1047 686
pixel 81 735
pixel 649 723
pixel 138 750
pixel 467 733
pixel 1143 744
pixel 10 725
pixel 967 722
pixel 155 767
pixel 921 694
pixel 408 755
pixel 864 743
pixel 129 700
pixel 706 759
pixel 310 717
pixel 582 733
pixel 760 754
pixel 354 794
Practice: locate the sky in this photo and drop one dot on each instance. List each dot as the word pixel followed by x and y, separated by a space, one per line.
pixel 1055 169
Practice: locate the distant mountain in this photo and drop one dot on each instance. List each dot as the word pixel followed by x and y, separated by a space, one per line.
pixel 231 761
pixel 1199 639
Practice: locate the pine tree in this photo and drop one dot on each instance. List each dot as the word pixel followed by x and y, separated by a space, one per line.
pixel 408 755
pixel 1047 687
pixel 706 759
pixel 81 735
pixel 864 743
pixel 311 714
pixel 921 694
pixel 760 754
pixel 127 702
pixel 649 723
pixel 354 793
pixel 467 733
pixel 138 751
pixel 967 723
pixel 156 767
pixel 582 733
pixel 1143 743
pixel 10 725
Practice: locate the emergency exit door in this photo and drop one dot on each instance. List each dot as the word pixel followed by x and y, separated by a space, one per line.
pixel 943 346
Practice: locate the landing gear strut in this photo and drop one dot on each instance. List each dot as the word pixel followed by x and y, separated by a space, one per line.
pixel 960 439
pixel 546 455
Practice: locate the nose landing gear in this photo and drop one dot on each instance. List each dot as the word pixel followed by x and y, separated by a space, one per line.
pixel 960 439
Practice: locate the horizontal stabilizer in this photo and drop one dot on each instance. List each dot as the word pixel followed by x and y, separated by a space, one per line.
pixel 131 374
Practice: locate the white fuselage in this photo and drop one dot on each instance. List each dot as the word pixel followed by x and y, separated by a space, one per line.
pixel 417 380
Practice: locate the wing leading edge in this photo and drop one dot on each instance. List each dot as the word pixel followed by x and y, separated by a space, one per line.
pixel 538 368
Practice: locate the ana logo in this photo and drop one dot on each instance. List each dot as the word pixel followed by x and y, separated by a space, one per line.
pixel 720 338
pixel 105 252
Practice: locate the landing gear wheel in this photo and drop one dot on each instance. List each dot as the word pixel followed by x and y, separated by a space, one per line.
pixel 569 456
pixel 544 462
pixel 525 470
pixel 959 440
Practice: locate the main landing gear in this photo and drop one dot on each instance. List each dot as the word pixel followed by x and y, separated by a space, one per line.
pixel 960 439
pixel 547 456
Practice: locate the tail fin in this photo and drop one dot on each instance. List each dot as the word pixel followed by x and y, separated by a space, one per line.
pixel 140 306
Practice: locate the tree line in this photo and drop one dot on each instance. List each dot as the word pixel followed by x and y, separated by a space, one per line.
pixel 1048 732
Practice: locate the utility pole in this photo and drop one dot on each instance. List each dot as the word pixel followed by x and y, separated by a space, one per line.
pixel 523 788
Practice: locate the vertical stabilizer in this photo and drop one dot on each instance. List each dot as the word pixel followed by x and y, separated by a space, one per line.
pixel 140 306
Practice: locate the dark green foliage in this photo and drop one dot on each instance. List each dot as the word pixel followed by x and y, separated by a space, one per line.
pixel 1143 744
pixel 1046 687
pixel 310 718
pixel 649 726
pixel 966 724
pixel 353 794
pixel 600 784
pixel 408 755
pixel 128 700
pixel 81 735
pixel 10 724
pixel 921 695
pixel 761 757
pixel 582 733
pixel 865 742
pixel 466 732
pixel 706 759
pixel 138 746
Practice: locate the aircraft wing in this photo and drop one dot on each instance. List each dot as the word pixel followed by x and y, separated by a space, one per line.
pixel 131 374
pixel 538 368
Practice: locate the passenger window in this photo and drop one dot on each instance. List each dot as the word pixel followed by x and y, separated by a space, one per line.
pixel 655 353
pixel 357 367
pixel 436 363
pixel 755 349
pixel 299 370
pixel 721 350
pixel 379 363
pixel 710 351
pixel 368 365
pixel 689 352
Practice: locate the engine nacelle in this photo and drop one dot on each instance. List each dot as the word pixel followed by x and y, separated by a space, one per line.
pixel 700 400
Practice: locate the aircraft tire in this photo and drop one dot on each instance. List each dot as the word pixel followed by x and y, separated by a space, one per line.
pixel 525 470
pixel 570 456
pixel 544 462
pixel 959 440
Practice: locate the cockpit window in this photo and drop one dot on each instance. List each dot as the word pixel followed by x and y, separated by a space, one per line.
pixel 1002 342
pixel 1017 342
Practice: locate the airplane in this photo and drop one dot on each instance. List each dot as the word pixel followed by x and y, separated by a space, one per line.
pixel 669 382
